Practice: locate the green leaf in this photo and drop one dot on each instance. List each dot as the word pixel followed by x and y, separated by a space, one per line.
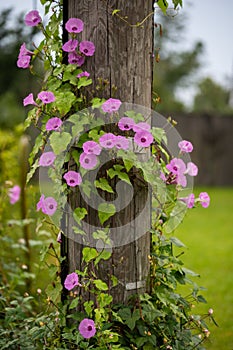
pixel 78 231
pixel 177 242
pixel 100 285
pixel 79 214
pixel 177 3
pixel 88 307
pixel 103 185
pixel 104 299
pixel 86 187
pixel 201 299
pixel 159 134
pixel 97 102
pixel 84 82
pixel 59 141
pixel 103 255
pixel 163 4
pixel 89 254
pixel 114 280
pixel 105 211
pixel 74 303
pixel 64 101
pixel 32 171
pixel 117 172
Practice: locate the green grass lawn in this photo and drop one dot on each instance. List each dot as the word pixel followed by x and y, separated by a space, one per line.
pixel 208 235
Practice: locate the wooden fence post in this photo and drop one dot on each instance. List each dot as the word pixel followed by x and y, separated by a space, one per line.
pixel 123 57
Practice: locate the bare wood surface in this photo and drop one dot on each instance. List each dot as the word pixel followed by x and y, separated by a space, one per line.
pixel 123 57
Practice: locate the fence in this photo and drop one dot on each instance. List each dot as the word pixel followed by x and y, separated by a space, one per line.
pixel 212 137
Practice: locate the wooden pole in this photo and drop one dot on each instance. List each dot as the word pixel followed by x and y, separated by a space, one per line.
pixel 123 57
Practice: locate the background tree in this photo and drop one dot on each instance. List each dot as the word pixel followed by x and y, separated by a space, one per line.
pixel 212 98
pixel 173 68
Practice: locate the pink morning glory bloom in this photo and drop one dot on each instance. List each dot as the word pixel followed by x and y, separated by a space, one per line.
pixel 53 124
pixel 87 328
pixel 83 74
pixel 70 45
pixel 121 142
pixel 191 169
pixel 189 200
pixel 111 105
pixel 29 100
pixel 142 126
pixel 72 178
pixel 46 97
pixel 23 62
pixel 14 194
pixel 47 159
pixel 74 58
pixel 204 199
pixel 59 237
pixel 23 51
pixel 185 146
pixel 91 147
pixel 87 48
pixel 176 166
pixel 88 161
pixel 71 281
pixel 126 123
pixel 32 18
pixel 74 25
pixel 143 138
pixel 47 205
pixel 107 140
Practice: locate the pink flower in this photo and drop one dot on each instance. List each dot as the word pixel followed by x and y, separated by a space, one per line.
pixel 87 328
pixel 88 161
pixel 47 159
pixel 46 97
pixel 72 178
pixel 126 123
pixel 23 51
pixel 47 205
pixel 177 167
pixel 121 142
pixel 191 169
pixel 29 100
pixel 70 45
pixel 23 62
pixel 53 124
pixel 107 140
pixel 74 25
pixel 87 48
pixel 185 146
pixel 32 18
pixel 189 200
pixel 141 127
pixel 204 199
pixel 91 147
pixel 83 74
pixel 143 138
pixel 111 105
pixel 14 194
pixel 71 281
pixel 74 58
pixel 59 237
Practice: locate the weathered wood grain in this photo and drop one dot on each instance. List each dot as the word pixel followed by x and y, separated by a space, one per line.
pixel 123 57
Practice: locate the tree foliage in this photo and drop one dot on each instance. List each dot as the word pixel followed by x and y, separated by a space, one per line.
pixel 212 98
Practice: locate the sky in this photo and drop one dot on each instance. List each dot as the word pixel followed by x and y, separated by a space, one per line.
pixel 210 21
